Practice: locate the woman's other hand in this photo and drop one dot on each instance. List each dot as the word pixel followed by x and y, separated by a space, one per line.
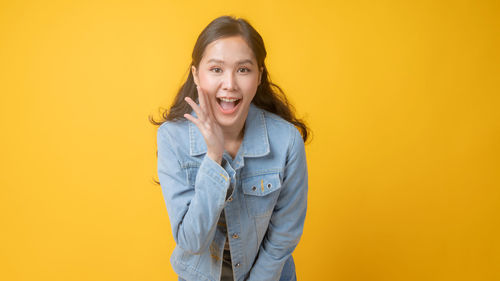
pixel 208 126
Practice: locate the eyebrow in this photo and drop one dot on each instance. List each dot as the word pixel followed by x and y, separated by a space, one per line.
pixel 238 62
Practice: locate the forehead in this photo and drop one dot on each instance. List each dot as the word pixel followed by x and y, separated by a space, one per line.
pixel 228 50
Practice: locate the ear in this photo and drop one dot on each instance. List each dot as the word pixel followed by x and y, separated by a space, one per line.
pixel 195 74
pixel 260 74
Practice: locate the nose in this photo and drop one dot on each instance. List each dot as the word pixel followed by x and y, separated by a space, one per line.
pixel 229 81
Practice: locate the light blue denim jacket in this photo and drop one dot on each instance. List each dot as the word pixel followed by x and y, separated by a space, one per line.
pixel 265 210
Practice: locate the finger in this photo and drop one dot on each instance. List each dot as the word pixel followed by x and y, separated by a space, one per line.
pixel 209 106
pixel 192 119
pixel 195 107
pixel 201 98
pixel 207 103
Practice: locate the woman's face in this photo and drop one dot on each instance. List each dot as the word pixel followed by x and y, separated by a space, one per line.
pixel 229 75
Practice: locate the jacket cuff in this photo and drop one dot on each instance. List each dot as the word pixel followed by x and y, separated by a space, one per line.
pixel 212 170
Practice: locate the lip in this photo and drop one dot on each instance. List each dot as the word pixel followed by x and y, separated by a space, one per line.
pixel 228 112
pixel 226 97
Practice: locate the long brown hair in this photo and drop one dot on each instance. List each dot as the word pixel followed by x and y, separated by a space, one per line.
pixel 269 96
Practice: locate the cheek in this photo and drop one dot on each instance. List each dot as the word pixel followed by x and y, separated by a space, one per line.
pixel 250 84
pixel 209 84
pixel 208 81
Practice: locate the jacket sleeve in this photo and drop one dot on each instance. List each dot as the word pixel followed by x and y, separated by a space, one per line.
pixel 193 211
pixel 287 221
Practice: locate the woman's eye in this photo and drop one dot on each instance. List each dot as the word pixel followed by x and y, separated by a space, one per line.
pixel 244 69
pixel 216 70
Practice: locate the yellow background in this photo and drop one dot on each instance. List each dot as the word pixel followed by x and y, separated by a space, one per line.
pixel 403 99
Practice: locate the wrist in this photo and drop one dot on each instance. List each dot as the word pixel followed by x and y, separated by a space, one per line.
pixel 217 157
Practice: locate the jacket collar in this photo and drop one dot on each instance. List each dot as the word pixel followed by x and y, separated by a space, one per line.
pixel 255 140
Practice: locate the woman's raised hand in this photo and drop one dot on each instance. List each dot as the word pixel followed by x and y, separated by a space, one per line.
pixel 207 124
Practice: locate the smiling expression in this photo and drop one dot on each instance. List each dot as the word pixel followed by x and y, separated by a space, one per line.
pixel 229 75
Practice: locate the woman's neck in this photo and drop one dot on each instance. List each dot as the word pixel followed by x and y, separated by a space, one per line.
pixel 233 136
pixel 233 140
pixel 234 133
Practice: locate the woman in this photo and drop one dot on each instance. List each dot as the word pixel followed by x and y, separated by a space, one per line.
pixel 232 167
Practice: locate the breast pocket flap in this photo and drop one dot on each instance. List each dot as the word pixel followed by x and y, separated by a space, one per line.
pixel 261 185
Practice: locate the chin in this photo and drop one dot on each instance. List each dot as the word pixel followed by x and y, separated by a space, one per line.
pixel 225 121
pixel 231 121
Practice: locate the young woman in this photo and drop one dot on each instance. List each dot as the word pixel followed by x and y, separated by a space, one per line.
pixel 232 165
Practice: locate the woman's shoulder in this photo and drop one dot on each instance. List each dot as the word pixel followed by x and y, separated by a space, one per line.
pixel 174 127
pixel 174 131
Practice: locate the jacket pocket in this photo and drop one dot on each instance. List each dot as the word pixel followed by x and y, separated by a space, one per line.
pixel 261 193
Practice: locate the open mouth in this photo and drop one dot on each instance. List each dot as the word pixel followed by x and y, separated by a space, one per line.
pixel 228 105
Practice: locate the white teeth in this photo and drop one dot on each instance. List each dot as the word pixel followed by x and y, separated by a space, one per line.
pixel 228 100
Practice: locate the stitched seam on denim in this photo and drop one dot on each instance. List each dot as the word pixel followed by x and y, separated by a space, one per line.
pixel 186 165
pixel 216 179
pixel 191 140
pixel 187 266
pixel 261 173
pixel 213 174
pixel 264 215
pixel 264 137
pixel 190 165
pixel 207 241
pixel 223 176
pixel 264 127
pixel 164 134
pixel 273 178
pixel 292 136
pixel 290 151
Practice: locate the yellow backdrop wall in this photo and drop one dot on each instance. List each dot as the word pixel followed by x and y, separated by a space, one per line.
pixel 402 97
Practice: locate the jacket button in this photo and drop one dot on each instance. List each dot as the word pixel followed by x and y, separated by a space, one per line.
pixel 254 188
pixel 237 265
pixel 235 236
pixel 230 199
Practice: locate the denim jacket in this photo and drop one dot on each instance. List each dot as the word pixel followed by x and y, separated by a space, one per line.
pixel 265 207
